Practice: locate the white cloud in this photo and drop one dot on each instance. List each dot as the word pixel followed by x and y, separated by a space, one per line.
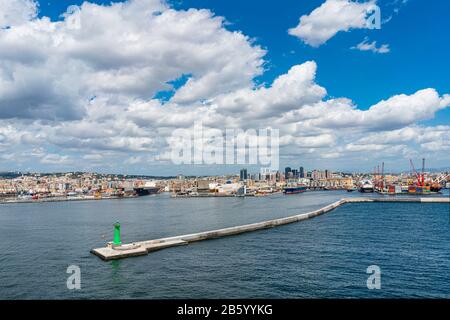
pixel 395 112
pixel 365 45
pixel 121 52
pixel 288 91
pixel 16 12
pixel 79 93
pixel 55 159
pixel 331 17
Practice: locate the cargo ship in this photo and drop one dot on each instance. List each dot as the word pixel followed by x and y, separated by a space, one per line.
pixel 294 189
pixel 145 191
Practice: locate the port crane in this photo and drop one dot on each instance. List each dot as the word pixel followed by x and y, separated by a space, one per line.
pixel 420 176
pixel 379 177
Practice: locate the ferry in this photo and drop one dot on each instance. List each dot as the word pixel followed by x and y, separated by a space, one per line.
pixel 366 187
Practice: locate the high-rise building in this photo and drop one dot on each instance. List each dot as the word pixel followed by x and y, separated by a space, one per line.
pixel 243 175
pixel 315 175
pixel 295 173
pixel 302 172
pixel 278 176
pixel 287 172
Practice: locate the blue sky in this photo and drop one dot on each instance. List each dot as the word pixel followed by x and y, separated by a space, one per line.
pixel 414 31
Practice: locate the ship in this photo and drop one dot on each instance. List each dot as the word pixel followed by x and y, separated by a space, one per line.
pixel 366 187
pixel 147 188
pixel 436 187
pixel 294 189
pixel 145 191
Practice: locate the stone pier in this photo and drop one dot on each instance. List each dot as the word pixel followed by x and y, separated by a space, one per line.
pixel 112 252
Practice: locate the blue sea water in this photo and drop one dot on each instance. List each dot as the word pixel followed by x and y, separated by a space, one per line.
pixel 324 257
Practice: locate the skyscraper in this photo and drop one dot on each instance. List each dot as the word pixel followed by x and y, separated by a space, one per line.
pixel 302 172
pixel 243 175
pixel 287 171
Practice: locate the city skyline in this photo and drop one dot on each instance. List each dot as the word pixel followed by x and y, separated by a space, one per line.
pixel 78 93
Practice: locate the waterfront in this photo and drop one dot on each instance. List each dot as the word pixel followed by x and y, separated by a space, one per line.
pixel 323 257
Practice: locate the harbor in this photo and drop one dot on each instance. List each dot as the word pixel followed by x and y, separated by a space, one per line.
pixel 116 250
pixel 181 153
pixel 78 186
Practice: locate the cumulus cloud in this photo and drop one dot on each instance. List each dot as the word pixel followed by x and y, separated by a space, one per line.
pixel 397 111
pixel 16 12
pixel 121 52
pixel 294 89
pixel 331 17
pixel 55 159
pixel 365 45
pixel 80 92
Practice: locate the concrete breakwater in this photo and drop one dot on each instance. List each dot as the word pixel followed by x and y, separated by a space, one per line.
pixel 111 252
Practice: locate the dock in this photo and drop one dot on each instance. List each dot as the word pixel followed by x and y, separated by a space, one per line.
pixel 111 252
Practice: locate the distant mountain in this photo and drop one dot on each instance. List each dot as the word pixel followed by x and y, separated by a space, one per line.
pixel 10 175
pixel 444 169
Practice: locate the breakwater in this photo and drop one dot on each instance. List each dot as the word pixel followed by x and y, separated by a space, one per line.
pixel 111 252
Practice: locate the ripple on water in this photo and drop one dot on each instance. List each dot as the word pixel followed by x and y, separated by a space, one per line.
pixel 323 257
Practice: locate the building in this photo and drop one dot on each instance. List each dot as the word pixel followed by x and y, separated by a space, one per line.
pixel 302 172
pixel 243 176
pixel 287 172
pixel 278 176
pixel 202 186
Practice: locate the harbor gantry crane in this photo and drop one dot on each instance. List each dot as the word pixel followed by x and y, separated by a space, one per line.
pixel 420 176
pixel 379 178
pixel 423 172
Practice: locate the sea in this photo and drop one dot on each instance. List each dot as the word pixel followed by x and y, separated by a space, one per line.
pixel 330 256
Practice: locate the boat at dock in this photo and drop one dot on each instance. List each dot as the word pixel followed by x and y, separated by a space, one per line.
pixel 145 191
pixel 366 187
pixel 294 189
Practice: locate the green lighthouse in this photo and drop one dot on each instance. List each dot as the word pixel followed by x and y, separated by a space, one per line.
pixel 117 241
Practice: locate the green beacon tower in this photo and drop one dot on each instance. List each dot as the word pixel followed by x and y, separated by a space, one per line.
pixel 117 241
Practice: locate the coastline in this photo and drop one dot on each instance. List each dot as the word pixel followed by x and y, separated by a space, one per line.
pixel 44 200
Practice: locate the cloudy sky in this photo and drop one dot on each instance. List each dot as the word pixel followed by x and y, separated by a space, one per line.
pixel 100 86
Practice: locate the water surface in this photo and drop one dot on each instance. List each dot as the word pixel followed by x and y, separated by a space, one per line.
pixel 323 257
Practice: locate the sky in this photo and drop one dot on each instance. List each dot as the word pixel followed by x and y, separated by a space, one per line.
pixel 101 85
